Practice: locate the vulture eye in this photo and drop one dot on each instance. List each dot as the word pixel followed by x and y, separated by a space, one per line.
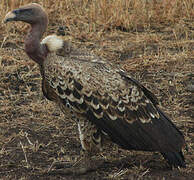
pixel 17 11
pixel 26 10
pixel 23 11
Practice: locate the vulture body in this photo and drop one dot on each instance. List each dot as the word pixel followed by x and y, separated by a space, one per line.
pixel 103 98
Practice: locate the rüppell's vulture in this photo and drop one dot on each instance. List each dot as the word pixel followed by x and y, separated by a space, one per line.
pixel 104 100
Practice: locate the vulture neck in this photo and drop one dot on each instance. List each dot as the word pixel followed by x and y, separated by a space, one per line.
pixel 34 49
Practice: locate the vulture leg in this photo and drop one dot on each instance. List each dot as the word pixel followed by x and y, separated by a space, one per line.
pixel 85 165
pixel 90 138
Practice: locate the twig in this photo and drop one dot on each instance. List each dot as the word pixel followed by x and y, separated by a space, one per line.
pixel 4 39
pixel 51 166
pixel 25 155
pixel 26 135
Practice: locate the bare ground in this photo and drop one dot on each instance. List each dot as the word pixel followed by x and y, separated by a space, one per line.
pixel 34 133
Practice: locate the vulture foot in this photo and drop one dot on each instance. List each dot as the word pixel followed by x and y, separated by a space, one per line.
pixel 84 165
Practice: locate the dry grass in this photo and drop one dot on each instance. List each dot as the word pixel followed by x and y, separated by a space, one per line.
pixel 152 39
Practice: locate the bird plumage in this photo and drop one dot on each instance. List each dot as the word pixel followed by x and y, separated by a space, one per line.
pixel 116 103
pixel 104 99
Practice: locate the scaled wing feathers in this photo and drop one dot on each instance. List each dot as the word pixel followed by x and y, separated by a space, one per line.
pixel 117 104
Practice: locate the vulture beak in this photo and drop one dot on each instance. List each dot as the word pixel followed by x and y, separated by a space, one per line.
pixel 16 15
pixel 10 16
pixel 24 14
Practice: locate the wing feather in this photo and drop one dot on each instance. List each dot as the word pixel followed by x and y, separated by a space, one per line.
pixel 117 104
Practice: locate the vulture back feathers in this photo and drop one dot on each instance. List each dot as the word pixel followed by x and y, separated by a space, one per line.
pixel 92 88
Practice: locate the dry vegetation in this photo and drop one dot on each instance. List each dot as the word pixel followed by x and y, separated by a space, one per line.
pixel 152 39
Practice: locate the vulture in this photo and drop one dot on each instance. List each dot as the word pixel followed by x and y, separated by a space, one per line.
pixel 106 103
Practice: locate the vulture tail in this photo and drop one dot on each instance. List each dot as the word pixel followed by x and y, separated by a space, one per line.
pixel 175 159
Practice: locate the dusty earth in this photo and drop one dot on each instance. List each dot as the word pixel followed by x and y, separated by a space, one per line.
pixel 34 133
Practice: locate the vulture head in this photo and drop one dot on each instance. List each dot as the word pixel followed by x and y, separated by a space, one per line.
pixel 36 16
pixel 31 13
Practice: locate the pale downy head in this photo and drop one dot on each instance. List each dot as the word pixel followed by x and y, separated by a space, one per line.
pixel 31 13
